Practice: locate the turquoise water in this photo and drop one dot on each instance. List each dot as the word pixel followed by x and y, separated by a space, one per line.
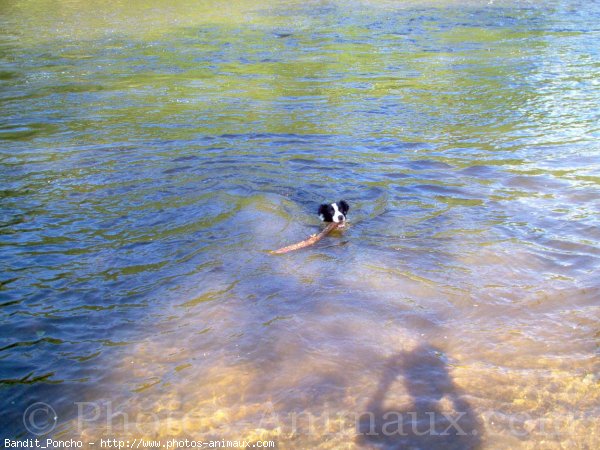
pixel 151 155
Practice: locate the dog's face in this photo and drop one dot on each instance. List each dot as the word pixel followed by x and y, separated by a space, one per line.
pixel 336 212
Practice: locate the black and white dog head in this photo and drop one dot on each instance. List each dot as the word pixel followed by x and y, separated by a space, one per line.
pixel 336 212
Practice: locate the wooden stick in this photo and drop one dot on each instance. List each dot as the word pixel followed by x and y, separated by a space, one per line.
pixel 307 242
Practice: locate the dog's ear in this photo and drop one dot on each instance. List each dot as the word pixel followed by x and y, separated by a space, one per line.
pixel 344 207
pixel 322 211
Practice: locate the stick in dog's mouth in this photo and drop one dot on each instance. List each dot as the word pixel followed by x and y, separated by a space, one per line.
pixel 311 240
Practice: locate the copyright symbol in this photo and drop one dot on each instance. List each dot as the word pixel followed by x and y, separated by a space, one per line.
pixel 39 418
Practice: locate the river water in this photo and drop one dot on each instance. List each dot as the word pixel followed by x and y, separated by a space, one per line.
pixel 152 153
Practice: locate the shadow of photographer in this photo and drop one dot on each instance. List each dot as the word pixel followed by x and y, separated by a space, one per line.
pixel 432 415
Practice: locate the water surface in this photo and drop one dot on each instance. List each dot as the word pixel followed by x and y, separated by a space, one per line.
pixel 152 153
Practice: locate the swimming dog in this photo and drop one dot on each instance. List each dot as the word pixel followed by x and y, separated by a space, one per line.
pixel 335 212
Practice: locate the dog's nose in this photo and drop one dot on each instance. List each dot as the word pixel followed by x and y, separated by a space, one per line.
pixel 341 218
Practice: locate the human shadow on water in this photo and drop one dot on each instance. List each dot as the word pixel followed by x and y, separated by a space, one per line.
pixel 434 416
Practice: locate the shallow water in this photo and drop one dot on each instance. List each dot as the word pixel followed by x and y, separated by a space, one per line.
pixel 151 154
